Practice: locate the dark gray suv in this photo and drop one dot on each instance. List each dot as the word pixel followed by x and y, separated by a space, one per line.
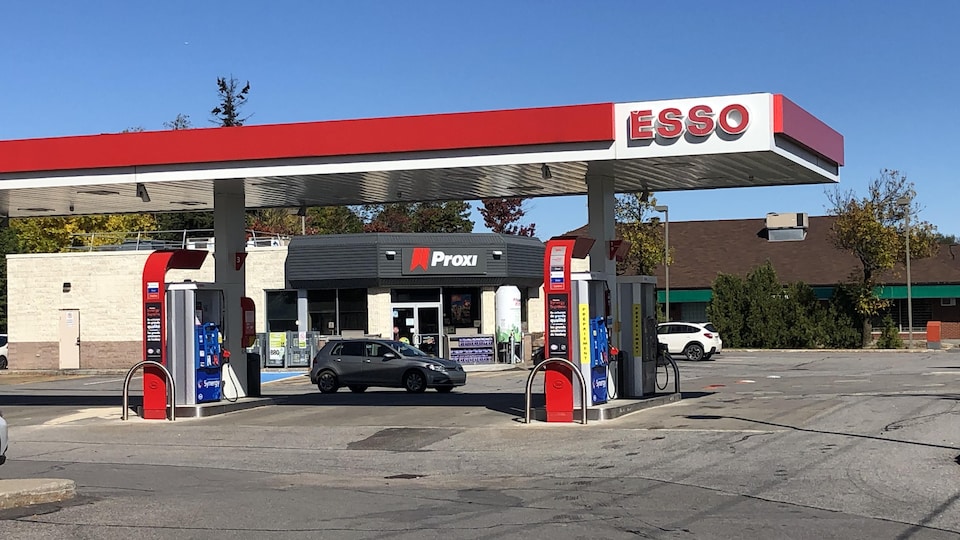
pixel 361 363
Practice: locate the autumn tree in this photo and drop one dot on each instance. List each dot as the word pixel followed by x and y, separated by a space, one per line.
pixel 55 234
pixel 423 217
pixel 637 225
pixel 872 229
pixel 502 215
pixel 333 220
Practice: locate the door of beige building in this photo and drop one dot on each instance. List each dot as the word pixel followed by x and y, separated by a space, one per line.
pixel 69 339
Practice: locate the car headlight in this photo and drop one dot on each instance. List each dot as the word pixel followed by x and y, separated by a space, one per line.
pixel 436 367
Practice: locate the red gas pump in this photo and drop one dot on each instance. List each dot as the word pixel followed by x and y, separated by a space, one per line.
pixel 558 379
pixel 155 323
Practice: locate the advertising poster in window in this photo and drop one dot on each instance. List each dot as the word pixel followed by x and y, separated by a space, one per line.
pixel 461 306
pixel 278 346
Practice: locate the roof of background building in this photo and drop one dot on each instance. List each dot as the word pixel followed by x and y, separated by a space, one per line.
pixel 703 249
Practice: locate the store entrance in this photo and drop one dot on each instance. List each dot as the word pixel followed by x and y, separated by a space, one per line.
pixel 420 324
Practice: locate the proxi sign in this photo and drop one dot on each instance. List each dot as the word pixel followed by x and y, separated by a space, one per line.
pixel 698 121
pixel 425 260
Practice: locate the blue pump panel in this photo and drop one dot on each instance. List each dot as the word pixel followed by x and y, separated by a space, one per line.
pixel 208 363
pixel 599 359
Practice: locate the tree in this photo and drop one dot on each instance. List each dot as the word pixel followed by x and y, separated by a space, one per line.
pixel 760 311
pixel 232 99
pixel 644 234
pixel 182 121
pixel 55 234
pixel 333 220
pixel 948 239
pixel 8 244
pixel 435 217
pixel 503 215
pixel 872 229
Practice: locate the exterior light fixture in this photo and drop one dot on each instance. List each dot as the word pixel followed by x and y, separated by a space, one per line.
pixel 390 254
pixel 497 254
pixel 545 172
pixel 142 192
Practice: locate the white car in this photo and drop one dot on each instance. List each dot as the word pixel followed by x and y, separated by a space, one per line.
pixel 696 341
pixel 3 439
pixel 3 351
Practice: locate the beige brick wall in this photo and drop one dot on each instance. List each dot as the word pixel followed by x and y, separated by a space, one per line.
pixel 379 313
pixel 106 288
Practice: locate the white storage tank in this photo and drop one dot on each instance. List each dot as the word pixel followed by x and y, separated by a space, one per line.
pixel 507 306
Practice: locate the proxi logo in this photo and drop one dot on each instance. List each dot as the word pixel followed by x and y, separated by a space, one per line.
pixel 423 260
pixel 452 260
pixel 420 258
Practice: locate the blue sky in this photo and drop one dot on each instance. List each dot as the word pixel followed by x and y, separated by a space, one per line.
pixel 884 74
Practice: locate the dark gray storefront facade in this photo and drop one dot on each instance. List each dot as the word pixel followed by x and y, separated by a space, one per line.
pixel 423 287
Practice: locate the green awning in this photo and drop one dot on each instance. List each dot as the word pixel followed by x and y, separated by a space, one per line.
pixel 916 291
pixel 678 296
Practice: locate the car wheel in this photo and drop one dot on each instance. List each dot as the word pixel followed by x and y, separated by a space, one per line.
pixel 707 357
pixel 444 389
pixel 357 388
pixel 327 382
pixel 414 381
pixel 3 362
pixel 693 352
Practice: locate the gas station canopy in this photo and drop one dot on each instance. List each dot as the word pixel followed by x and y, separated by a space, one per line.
pixel 682 144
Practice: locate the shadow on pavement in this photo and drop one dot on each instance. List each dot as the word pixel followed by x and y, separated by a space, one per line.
pixel 65 400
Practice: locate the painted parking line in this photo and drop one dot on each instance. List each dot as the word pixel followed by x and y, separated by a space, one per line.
pixel 851 380
pixel 108 381
pixel 266 378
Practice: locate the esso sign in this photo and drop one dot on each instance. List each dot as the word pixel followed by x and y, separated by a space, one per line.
pixel 699 121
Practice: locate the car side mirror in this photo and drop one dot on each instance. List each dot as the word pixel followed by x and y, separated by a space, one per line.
pixel 389 356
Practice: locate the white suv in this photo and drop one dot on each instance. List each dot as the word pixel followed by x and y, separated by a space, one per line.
pixel 696 341
pixel 3 351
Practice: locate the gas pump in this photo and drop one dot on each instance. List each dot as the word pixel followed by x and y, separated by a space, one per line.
pixel 638 336
pixel 195 356
pixel 578 325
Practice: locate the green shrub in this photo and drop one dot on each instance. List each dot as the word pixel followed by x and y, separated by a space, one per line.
pixel 890 336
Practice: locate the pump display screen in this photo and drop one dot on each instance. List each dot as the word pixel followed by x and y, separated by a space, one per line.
pixel 558 336
pixel 153 313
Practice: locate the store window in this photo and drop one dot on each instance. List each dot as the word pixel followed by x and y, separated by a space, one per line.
pixel 334 310
pixel 281 311
pixel 461 307
pixel 353 309
pixel 322 307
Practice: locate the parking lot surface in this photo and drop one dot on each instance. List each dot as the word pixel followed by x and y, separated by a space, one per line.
pixel 763 445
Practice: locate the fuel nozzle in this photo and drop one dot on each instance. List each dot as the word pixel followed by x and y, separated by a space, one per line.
pixel 226 356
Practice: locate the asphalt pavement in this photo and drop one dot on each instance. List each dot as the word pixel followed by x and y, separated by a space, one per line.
pixel 763 445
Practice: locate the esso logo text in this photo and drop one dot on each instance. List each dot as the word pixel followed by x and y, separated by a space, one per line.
pixel 699 121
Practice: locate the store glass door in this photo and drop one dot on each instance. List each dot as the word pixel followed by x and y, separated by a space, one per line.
pixel 428 329
pixel 418 324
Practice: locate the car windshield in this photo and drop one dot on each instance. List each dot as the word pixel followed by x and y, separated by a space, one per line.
pixel 710 327
pixel 406 349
